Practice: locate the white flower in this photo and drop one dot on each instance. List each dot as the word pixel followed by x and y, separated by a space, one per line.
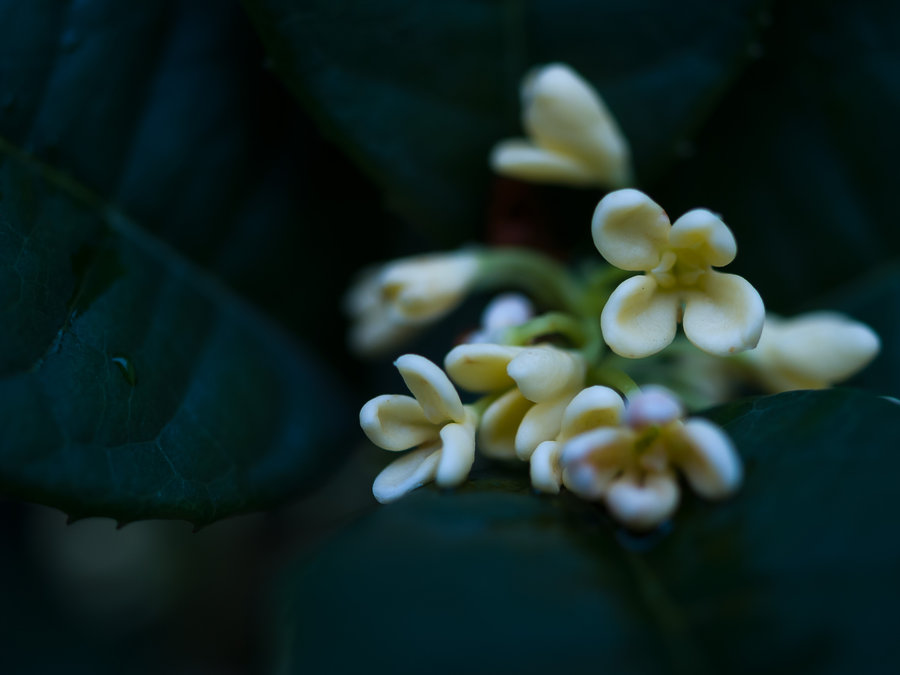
pixel 435 422
pixel 631 465
pixel 391 302
pixel 721 313
pixel 505 311
pixel 573 138
pixel 593 407
pixel 533 384
pixel 811 351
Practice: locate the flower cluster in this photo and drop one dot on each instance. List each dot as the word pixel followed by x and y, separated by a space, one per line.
pixel 562 376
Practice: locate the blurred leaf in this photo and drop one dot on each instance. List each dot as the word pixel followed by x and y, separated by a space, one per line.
pixel 798 572
pixel 134 384
pixel 167 111
pixel 419 92
pixel 800 158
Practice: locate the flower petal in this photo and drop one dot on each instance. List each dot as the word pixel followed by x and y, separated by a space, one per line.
pixel 725 316
pixel 395 422
pixel 652 406
pixel 593 407
pixel 407 473
pixel 481 366
pixel 546 473
pixel 564 114
pixel 432 388
pixel 708 459
pixel 518 158
pixel 499 423
pixel 541 423
pixel 639 318
pixel 819 348
pixel 642 503
pixel 457 454
pixel 423 288
pixel 591 460
pixel 379 331
pixel 702 238
pixel 542 373
pixel 630 230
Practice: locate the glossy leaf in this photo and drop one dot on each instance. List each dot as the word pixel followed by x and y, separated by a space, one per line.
pixel 799 159
pixel 797 572
pixel 419 92
pixel 136 185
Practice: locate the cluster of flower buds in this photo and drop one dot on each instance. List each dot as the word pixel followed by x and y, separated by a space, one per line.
pixel 546 374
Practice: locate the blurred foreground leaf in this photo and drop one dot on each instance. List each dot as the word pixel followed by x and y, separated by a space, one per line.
pixel 797 573
pixel 419 92
pixel 145 173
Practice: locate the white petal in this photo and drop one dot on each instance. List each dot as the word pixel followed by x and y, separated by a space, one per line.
pixel 505 311
pixel 708 459
pixel 701 236
pixel 432 388
pixel 725 316
pixel 541 423
pixel 406 473
pixel 457 454
pixel 653 406
pixel 499 423
pixel 423 288
pixel 518 158
pixel 593 407
pixel 630 230
pixel 481 367
pixel 395 422
pixel 542 373
pixel 379 331
pixel 546 474
pixel 565 114
pixel 639 318
pixel 591 460
pixel 819 348
pixel 642 504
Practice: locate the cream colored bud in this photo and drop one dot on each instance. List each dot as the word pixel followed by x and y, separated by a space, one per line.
pixel 573 137
pixel 812 351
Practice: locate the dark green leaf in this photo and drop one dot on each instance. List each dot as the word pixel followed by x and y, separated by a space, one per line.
pixel 419 92
pixel 798 573
pixel 134 384
pixel 800 159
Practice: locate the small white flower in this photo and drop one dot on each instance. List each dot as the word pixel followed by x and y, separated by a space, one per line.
pixel 573 138
pixel 435 422
pixel 593 407
pixel 533 384
pixel 507 310
pixel 391 302
pixel 721 313
pixel 811 351
pixel 631 465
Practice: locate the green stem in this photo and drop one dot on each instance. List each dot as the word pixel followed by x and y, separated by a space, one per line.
pixel 547 324
pixel 615 378
pixel 546 280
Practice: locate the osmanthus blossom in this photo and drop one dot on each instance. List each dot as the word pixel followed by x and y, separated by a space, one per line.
pixel 434 421
pixel 811 351
pixel 573 138
pixel 721 313
pixel 632 463
pixel 391 302
pixel 532 385
pixel 505 311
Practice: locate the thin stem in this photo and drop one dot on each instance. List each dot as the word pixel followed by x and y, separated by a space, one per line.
pixel 547 324
pixel 542 277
